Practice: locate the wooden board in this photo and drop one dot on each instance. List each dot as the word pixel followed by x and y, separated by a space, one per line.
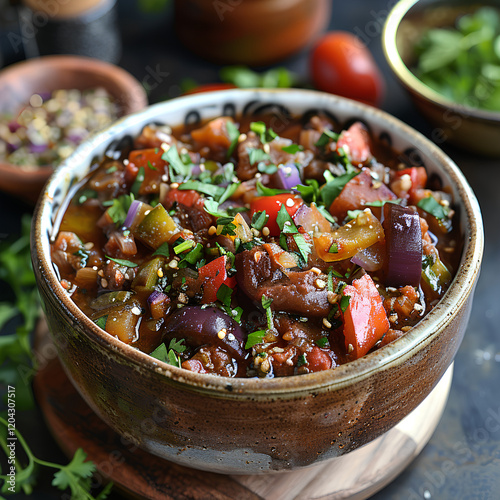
pixel 138 474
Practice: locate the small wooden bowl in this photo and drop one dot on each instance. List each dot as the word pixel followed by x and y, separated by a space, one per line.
pixel 472 129
pixel 47 74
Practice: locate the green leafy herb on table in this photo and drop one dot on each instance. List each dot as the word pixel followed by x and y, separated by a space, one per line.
pixel 76 475
pixel 462 63
pixel 17 367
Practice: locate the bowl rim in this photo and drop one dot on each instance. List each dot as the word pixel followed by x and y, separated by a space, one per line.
pixel 408 78
pixel 334 379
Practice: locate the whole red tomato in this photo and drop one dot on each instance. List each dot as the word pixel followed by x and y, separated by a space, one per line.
pixel 341 64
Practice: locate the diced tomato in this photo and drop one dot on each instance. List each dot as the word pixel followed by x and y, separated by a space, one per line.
pixel 154 169
pixel 272 205
pixel 318 360
pixel 357 193
pixel 186 197
pixel 365 319
pixel 213 275
pixel 418 176
pixel 355 141
pixel 214 134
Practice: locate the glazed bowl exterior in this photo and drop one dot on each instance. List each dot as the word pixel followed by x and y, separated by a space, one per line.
pixel 251 426
pixel 461 124
pixel 20 81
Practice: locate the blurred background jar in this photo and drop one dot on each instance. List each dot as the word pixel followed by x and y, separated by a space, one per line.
pixel 252 32
pixel 81 27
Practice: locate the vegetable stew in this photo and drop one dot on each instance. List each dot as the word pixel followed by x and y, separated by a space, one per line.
pixel 228 249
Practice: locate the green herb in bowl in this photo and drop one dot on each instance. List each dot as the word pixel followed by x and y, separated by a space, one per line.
pixel 462 62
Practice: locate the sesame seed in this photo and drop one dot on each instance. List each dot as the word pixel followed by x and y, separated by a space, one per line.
pixel 350 348
pixel 266 148
pixel 230 337
pixel 242 137
pixel 174 185
pixel 212 230
pixel 222 333
pixel 290 202
pixel 104 283
pixel 315 270
pixel 89 245
pixel 320 283
pixel 160 273
pixel 101 273
pixel 257 256
pixel 165 146
pixel 265 231
pixel 136 311
pixel 183 298
pixel 278 349
pixel 164 178
pixel 326 323
pixel 332 297
pixel 172 264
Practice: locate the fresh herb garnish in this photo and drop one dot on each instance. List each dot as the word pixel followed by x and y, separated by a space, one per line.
pixel 292 148
pixel 433 207
pixel 139 179
pixel 122 262
pixel 344 302
pixel 234 135
pixel 259 220
pixel 163 249
pixel 178 170
pixel 244 77
pixel 170 355
pixel 265 191
pixel 119 208
pixel 255 338
pixel 202 187
pixel 183 246
pixel 334 187
pixel 265 134
pixel 325 138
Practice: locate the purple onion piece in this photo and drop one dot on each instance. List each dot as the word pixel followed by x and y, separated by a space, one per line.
pixel 13 126
pixel 369 259
pixel 11 147
pixel 205 326
pixel 287 176
pixel 156 297
pixel 403 245
pixel 132 212
pixel 38 148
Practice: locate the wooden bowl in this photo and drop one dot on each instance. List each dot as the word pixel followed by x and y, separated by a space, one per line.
pixel 249 426
pixel 47 74
pixel 472 129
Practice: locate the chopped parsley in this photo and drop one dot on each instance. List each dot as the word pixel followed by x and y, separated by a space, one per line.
pixel 433 207
pixel 122 262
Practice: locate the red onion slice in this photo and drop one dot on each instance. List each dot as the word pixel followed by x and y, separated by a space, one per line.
pixel 287 176
pixel 132 212
pixel 403 245
pixel 370 259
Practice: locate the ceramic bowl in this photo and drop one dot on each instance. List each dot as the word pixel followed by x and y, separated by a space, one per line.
pixel 20 81
pixel 472 129
pixel 255 425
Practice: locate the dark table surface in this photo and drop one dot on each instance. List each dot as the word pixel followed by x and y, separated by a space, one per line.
pixel 462 459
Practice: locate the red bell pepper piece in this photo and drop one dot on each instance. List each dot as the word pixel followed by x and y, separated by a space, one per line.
pixel 418 176
pixel 272 205
pixel 213 275
pixel 365 319
pixel 154 169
